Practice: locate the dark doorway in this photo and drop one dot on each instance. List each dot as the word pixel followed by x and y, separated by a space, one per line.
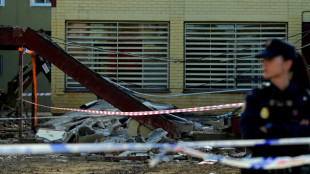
pixel 306 41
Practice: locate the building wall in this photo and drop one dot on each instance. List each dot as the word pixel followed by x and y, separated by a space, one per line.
pixel 20 13
pixel 176 12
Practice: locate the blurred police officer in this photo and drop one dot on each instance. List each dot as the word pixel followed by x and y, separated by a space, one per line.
pixel 281 108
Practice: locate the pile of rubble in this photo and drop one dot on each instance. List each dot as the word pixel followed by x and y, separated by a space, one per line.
pixel 77 127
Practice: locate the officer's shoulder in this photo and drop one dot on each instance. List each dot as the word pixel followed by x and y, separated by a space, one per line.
pixel 307 92
pixel 306 96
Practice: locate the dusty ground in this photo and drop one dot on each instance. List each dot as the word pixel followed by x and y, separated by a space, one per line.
pixel 78 164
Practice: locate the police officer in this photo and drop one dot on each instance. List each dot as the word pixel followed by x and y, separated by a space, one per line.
pixel 281 108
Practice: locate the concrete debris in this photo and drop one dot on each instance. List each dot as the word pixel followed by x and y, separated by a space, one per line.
pixel 221 124
pixel 117 140
pixel 198 127
pixel 156 135
pixel 207 129
pixel 218 124
pixel 208 148
pixel 77 127
pixel 62 160
pixel 180 157
pixel 50 135
pixel 137 153
pixel 85 127
pixel 132 130
pixel 185 127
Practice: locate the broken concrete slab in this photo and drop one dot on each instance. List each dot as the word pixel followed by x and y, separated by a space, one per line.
pixel 84 127
pixel 137 153
pixel 116 140
pixel 50 135
pixel 91 138
pixel 185 127
pixel 87 130
pixel 221 124
pixel 156 135
pixel 72 119
pixel 86 133
pixel 132 128
pixel 137 129
pixel 144 131
pixel 68 122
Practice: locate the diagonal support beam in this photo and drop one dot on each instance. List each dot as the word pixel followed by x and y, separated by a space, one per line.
pixel 93 81
pixel 11 38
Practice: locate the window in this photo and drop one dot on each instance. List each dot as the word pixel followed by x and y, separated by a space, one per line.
pixel 2 3
pixel 221 56
pixel 133 54
pixel 1 66
pixel 40 3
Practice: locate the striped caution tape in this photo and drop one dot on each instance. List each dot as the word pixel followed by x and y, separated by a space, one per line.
pixel 38 94
pixel 112 147
pixel 267 163
pixel 258 163
pixel 186 148
pixel 142 113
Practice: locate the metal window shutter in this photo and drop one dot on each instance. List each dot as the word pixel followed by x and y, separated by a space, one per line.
pixel 221 55
pixel 124 51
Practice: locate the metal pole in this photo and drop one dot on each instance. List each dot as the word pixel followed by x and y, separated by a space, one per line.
pixel 20 92
pixel 34 94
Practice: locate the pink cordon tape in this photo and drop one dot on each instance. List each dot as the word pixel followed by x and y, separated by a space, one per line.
pixel 142 113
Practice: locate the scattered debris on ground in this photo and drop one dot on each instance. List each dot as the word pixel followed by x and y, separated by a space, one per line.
pixel 77 127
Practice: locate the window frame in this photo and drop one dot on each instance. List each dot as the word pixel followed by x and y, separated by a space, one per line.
pixel 2 3
pixel 154 75
pixel 233 41
pixel 33 3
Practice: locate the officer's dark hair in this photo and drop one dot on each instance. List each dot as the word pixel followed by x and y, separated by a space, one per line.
pixel 300 73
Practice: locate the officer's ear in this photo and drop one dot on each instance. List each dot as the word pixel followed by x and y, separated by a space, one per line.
pixel 288 64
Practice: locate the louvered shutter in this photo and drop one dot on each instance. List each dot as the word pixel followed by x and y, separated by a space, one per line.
pixel 132 53
pixel 221 56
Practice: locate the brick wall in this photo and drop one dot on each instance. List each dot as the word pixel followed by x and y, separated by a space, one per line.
pixel 176 12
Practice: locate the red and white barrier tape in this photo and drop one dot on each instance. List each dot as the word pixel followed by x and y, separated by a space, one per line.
pixel 142 113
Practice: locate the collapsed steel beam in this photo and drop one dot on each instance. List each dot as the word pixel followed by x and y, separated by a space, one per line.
pixel 11 38
pixel 93 81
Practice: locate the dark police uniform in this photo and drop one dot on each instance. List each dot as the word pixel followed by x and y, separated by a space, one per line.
pixel 281 113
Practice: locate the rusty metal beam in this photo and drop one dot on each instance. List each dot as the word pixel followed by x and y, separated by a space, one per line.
pixel 11 38
pixel 93 81
pixel 53 2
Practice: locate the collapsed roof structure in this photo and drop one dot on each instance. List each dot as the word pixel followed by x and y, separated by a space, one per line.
pixel 14 37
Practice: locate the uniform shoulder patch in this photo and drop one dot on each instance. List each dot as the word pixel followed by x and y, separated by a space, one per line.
pixel 306 96
pixel 308 92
